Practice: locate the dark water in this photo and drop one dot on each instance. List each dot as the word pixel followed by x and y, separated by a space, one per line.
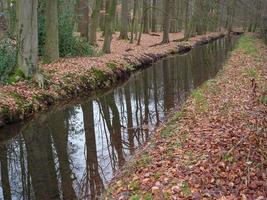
pixel 72 153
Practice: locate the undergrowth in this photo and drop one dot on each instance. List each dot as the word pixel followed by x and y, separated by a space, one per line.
pixel 8 59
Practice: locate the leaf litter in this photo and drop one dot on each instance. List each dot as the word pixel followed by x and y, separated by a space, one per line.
pixel 216 151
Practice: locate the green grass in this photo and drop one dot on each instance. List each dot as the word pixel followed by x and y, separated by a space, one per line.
pixel 148 197
pixel 201 100
pixel 168 131
pixel 144 161
pixel 17 75
pixel 247 44
pixel 199 97
pixel 112 65
pixel 157 175
pixel 263 100
pixel 177 116
pixel 252 73
pixel 135 197
pixel 178 143
pixel 134 186
pixel 185 188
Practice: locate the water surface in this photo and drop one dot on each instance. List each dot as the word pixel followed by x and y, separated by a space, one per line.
pixel 72 153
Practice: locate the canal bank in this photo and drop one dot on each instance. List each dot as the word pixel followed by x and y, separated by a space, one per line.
pixel 73 151
pixel 215 146
pixel 68 78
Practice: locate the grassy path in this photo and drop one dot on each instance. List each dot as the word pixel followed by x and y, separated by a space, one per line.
pixel 215 147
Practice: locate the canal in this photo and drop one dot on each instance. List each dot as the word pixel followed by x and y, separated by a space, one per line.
pixel 73 151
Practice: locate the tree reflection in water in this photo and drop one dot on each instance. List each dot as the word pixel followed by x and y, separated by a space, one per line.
pixel 72 153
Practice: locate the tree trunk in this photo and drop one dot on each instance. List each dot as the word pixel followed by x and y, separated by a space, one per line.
pixel 166 21
pixel 154 16
pixel 173 14
pixel 186 21
pixel 94 22
pixel 109 19
pixel 145 16
pixel 230 15
pixel 3 20
pixel 124 20
pixel 199 17
pixel 51 50
pixel 133 20
pixel 28 37
pixel 83 18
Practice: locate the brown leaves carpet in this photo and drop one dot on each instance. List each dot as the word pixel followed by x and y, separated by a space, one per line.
pixel 215 147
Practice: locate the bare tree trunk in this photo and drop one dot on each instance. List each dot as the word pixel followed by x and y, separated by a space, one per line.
pixel 133 20
pixel 264 22
pixel 94 22
pixel 83 22
pixel 3 20
pixel 109 19
pixel 28 37
pixel 230 14
pixel 166 21
pixel 145 16
pixel 51 50
pixel 173 18
pixel 186 21
pixel 124 20
pixel 154 16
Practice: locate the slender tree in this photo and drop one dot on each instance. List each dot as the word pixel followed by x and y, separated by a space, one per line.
pixel 173 16
pixel 145 16
pixel 94 22
pixel 230 15
pixel 124 20
pixel 109 19
pixel 133 20
pixel 51 49
pixel 166 21
pixel 186 20
pixel 3 20
pixel 154 16
pixel 83 18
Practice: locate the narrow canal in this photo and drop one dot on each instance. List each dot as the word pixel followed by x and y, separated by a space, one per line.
pixel 73 152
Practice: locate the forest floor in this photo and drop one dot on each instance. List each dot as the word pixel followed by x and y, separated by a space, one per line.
pixel 215 146
pixel 70 77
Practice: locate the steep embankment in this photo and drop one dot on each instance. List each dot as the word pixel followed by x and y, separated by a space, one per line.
pixel 215 147
pixel 74 76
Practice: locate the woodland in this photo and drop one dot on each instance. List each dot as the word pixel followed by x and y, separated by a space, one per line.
pixel 34 32
pixel 133 99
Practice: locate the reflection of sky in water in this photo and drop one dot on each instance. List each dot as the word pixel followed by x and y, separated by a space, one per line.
pixel 76 146
pixel 149 94
pixel 77 143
